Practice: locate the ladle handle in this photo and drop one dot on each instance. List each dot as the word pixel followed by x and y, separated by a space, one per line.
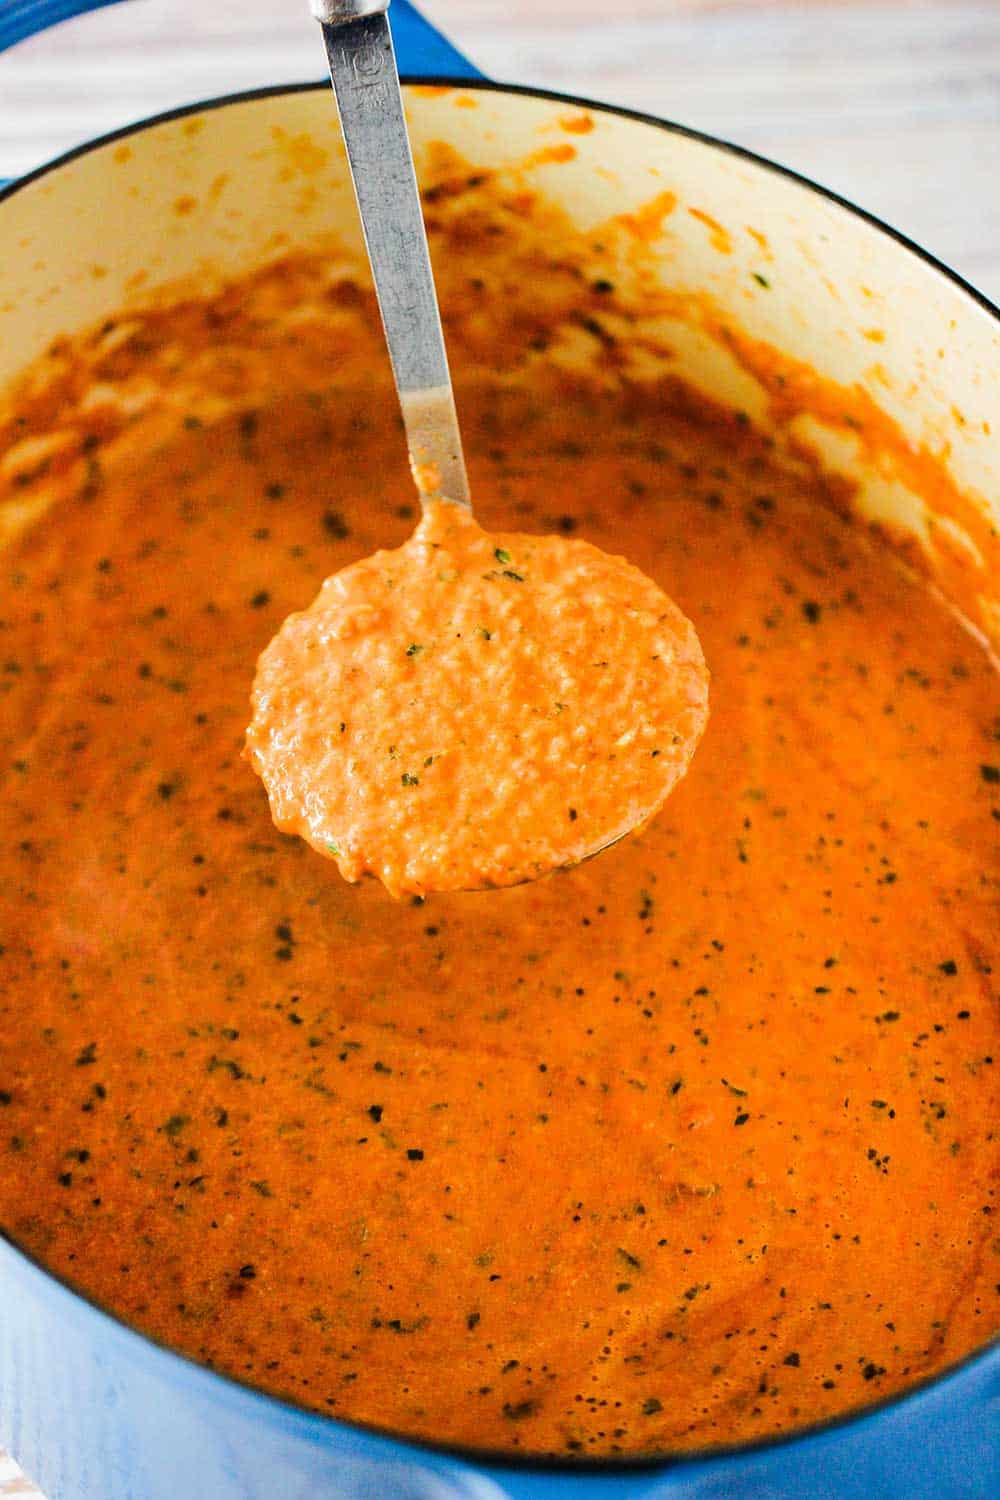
pixel 363 69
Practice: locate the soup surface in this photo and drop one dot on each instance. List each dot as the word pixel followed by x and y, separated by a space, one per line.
pixel 473 711
pixel 688 1146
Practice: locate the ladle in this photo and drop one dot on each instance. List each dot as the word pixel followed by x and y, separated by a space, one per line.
pixel 470 710
pixel 366 84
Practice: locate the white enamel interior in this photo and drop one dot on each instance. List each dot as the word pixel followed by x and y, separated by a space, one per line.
pixel 207 195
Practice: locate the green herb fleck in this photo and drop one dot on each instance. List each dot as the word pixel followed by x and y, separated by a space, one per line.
pixel 517 1411
pixel 334 525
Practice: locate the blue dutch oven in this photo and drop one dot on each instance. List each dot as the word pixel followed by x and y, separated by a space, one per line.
pixel 95 1411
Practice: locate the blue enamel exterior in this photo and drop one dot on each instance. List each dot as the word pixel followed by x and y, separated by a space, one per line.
pixel 95 1411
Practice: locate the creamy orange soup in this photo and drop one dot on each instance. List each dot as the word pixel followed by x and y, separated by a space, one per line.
pixel 692 1144
pixel 473 710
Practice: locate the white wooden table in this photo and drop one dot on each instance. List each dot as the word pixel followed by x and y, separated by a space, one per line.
pixel 895 105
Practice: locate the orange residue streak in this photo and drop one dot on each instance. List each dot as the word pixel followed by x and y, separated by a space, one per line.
pixel 302 155
pixel 646 223
pixel 719 238
pixel 761 239
pixel 591 695
pixel 577 124
pixel 702 1127
pixel 546 155
pixel 794 388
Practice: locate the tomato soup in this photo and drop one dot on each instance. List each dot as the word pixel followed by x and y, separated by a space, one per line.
pixel 693 1144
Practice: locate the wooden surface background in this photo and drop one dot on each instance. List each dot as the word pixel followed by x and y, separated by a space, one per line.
pixel 894 103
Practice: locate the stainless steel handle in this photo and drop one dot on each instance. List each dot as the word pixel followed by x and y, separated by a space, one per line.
pixel 337 12
pixel 366 84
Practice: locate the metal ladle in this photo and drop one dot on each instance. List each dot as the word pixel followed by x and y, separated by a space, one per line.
pixel 366 84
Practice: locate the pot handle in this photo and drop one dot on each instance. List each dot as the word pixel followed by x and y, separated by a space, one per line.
pixel 421 49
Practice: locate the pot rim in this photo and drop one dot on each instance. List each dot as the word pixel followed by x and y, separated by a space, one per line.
pixel 488 85
pixel 307 1420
